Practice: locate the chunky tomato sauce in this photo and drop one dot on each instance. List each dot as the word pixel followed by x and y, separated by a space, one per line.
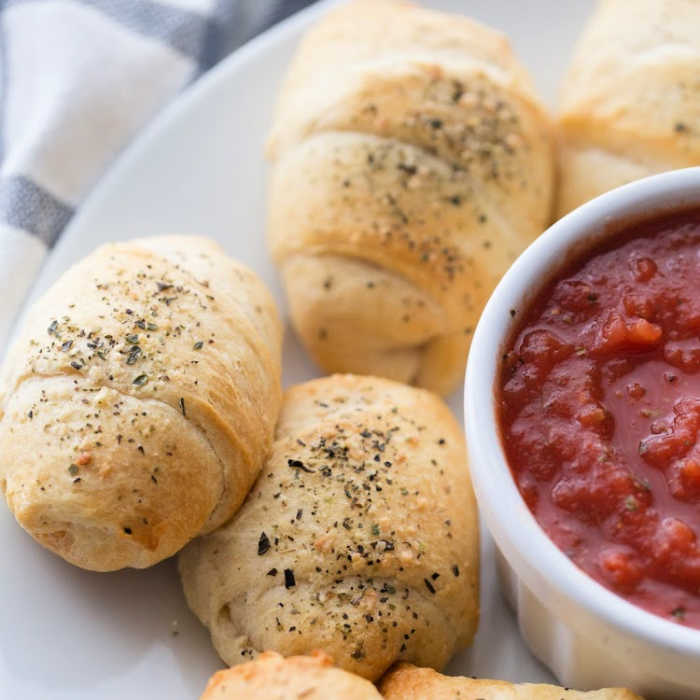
pixel 600 413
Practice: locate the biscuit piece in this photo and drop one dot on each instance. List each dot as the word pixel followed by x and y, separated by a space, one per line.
pixel 139 401
pixel 412 163
pixel 360 537
pixel 406 682
pixel 272 677
pixel 630 102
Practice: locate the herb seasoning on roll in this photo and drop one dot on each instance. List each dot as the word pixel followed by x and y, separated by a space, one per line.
pixel 600 412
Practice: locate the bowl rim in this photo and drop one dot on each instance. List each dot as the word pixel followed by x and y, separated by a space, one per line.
pixel 497 494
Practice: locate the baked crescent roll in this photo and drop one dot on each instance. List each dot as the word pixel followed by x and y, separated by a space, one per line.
pixel 630 103
pixel 411 164
pixel 406 682
pixel 139 401
pixel 360 537
pixel 272 677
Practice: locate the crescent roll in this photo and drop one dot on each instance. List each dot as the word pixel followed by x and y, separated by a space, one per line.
pixel 630 103
pixel 272 677
pixel 411 164
pixel 360 537
pixel 139 401
pixel 406 682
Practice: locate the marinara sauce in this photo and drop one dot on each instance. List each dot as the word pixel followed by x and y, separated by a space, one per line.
pixel 600 413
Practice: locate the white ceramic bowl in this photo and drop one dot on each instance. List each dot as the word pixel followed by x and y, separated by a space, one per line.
pixel 588 636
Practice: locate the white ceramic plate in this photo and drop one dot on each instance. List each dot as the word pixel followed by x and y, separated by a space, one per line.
pixel 67 633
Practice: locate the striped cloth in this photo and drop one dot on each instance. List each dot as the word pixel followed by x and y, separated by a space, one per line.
pixel 78 80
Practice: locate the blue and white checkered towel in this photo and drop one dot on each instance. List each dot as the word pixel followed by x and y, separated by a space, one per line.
pixel 78 80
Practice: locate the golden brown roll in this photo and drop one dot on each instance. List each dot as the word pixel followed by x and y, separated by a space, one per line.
pixel 412 163
pixel 272 677
pixel 139 401
pixel 630 103
pixel 359 538
pixel 406 682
